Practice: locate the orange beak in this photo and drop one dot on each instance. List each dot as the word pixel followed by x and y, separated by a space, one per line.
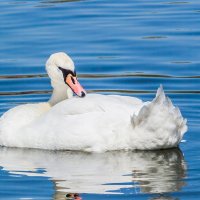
pixel 75 86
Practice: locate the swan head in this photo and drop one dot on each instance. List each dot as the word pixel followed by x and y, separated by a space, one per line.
pixel 61 71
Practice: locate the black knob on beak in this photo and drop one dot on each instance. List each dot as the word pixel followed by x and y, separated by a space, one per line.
pixel 83 94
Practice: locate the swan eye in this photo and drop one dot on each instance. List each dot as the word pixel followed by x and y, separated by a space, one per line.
pixel 73 81
pixel 66 72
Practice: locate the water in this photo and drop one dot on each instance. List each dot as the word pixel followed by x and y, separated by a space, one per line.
pixel 126 48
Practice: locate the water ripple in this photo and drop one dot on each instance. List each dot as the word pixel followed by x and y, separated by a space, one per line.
pixel 88 76
pixel 109 91
pixel 119 47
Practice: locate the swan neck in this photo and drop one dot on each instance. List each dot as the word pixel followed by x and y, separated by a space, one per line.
pixel 60 93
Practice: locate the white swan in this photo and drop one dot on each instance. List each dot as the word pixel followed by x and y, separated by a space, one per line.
pixel 94 123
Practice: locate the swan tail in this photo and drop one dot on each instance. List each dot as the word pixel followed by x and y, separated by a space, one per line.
pixel 158 124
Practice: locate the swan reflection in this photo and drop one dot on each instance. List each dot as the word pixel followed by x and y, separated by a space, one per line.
pixel 159 171
pixel 162 197
pixel 111 172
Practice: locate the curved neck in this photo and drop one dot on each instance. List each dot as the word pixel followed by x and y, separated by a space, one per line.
pixel 60 93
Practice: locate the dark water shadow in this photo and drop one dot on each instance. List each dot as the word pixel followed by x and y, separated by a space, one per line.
pixel 60 1
pixel 177 2
pixel 154 37
pixel 152 172
pixel 52 2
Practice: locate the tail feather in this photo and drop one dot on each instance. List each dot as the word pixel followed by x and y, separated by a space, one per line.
pixel 159 123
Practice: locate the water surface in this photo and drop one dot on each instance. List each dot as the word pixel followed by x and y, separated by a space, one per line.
pixel 125 47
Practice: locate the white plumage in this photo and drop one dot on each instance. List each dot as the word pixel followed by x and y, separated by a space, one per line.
pixel 94 123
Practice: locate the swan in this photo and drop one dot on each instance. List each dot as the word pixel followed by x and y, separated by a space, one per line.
pixel 93 122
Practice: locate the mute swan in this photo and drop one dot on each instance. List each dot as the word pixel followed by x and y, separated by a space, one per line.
pixel 93 123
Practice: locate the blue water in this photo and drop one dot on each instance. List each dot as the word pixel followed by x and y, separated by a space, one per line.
pixel 119 47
